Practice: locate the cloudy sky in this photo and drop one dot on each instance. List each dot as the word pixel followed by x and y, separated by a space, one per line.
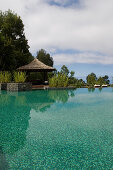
pixel 77 33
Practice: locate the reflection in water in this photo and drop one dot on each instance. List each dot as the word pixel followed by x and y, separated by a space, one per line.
pixel 112 88
pixel 60 95
pixel 14 117
pixel 15 114
pixel 91 89
pixel 72 94
pixel 42 100
pixel 3 162
pixel 73 138
pixel 100 89
pixel 39 100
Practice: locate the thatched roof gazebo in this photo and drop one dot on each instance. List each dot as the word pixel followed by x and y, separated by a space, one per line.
pixel 36 66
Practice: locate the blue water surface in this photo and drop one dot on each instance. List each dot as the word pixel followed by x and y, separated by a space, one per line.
pixel 56 129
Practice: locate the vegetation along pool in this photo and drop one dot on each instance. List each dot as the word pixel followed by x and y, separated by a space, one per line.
pixel 62 129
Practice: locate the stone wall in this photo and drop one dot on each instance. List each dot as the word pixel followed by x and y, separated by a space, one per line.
pixel 3 86
pixel 19 86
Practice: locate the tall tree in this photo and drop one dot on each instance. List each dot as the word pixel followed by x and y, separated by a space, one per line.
pixel 103 80
pixel 45 57
pixel 91 79
pixel 64 70
pixel 72 74
pixel 14 49
pixel 106 79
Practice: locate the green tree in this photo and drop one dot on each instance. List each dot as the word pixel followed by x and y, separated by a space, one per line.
pixel 72 74
pixel 106 79
pixel 80 83
pixel 64 70
pixel 100 81
pixel 45 57
pixel 14 49
pixel 72 79
pixel 91 79
pixel 103 80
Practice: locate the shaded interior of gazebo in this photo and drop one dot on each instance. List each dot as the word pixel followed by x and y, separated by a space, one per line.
pixel 36 66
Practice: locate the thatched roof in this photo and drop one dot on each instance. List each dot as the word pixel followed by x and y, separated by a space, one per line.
pixel 36 65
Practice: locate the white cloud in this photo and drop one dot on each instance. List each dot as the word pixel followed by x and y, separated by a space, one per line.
pixel 91 58
pixel 88 28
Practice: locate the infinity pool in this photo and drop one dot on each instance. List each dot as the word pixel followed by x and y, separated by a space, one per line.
pixel 56 129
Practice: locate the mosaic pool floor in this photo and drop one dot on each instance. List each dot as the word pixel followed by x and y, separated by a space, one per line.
pixel 56 129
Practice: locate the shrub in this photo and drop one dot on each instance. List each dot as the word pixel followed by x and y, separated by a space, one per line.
pixel 59 80
pixel 53 81
pixel 5 77
pixel 19 77
pixel 1 77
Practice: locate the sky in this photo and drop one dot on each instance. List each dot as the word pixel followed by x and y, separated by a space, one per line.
pixel 77 33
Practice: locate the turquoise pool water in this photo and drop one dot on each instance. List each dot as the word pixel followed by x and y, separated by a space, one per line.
pixel 62 129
